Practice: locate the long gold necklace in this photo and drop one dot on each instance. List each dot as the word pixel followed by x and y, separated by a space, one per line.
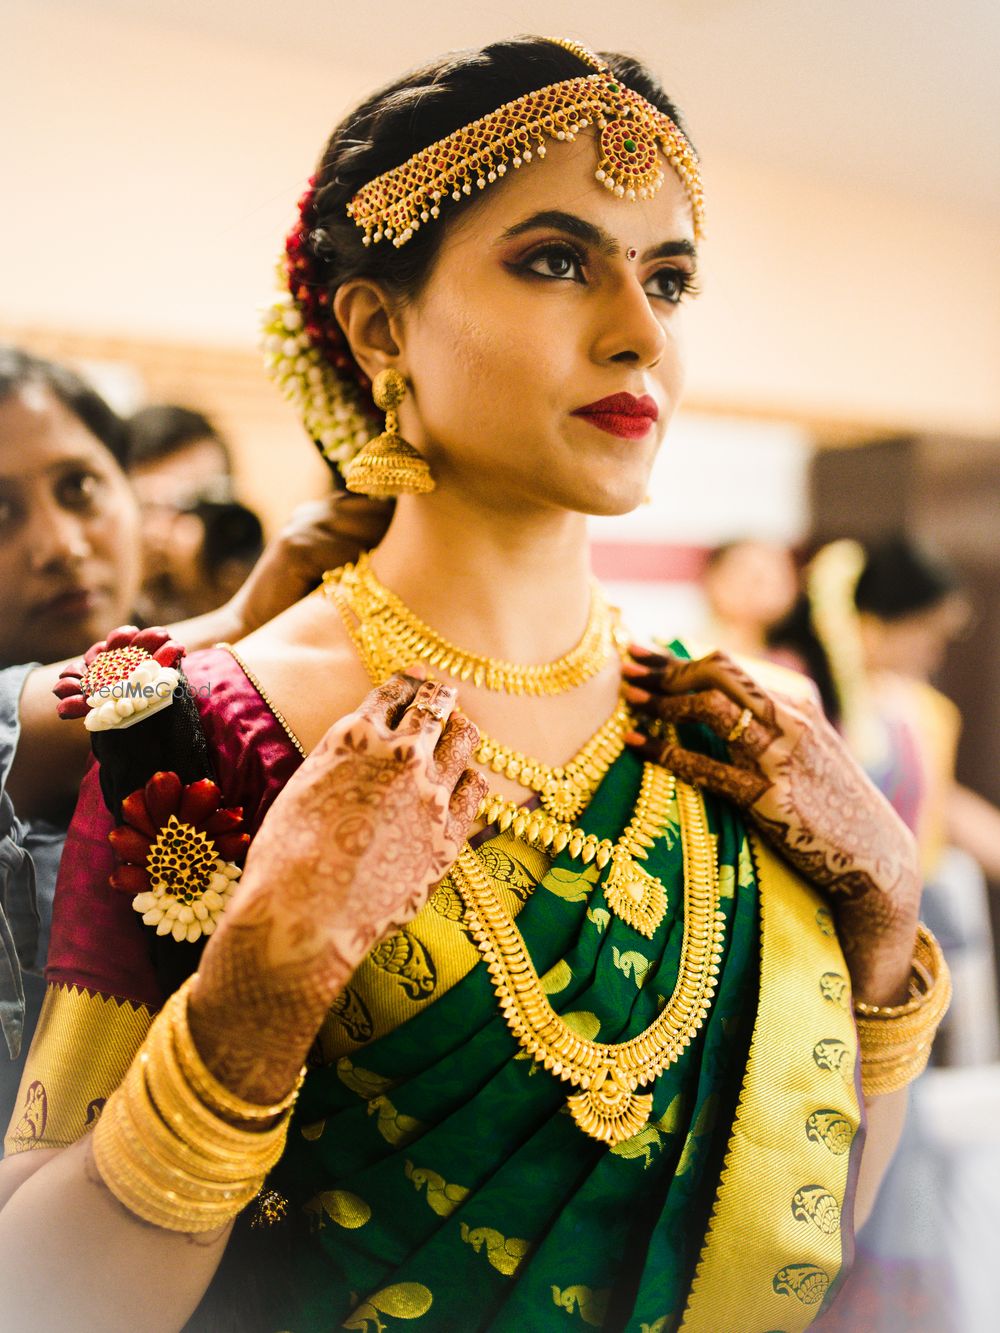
pixel 399 637
pixel 607 1104
pixel 633 894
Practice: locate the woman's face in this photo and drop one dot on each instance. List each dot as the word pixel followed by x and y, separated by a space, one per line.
pixel 548 296
pixel 69 532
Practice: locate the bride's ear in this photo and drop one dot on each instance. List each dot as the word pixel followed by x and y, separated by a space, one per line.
pixel 365 314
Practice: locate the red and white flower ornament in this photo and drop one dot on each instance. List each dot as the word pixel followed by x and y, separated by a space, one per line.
pixel 125 678
pixel 179 851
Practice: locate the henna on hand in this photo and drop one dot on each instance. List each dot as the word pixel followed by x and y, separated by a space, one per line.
pixel 349 852
pixel 808 796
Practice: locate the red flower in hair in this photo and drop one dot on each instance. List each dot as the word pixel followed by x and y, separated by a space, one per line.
pixel 178 850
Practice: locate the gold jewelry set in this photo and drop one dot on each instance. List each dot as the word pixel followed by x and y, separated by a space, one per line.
pixel 896 1040
pixel 171 1143
pixel 607 1104
pixel 388 636
pixel 633 140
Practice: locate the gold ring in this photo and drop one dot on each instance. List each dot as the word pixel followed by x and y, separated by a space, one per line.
pixel 436 711
pixel 742 722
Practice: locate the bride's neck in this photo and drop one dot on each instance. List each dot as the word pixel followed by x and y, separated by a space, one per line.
pixel 511 585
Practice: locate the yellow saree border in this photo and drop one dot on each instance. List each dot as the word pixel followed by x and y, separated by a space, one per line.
pixel 61 1094
pixel 774 1245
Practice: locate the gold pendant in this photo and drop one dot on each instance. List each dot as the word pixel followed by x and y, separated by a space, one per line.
pixel 609 1110
pixel 634 895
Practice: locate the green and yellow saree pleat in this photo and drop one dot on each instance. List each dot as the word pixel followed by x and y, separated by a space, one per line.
pixel 436 1178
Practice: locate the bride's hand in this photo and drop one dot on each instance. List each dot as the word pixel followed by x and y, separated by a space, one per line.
pixel 349 852
pixel 808 796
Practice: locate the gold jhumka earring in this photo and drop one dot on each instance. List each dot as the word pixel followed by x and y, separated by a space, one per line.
pixel 388 465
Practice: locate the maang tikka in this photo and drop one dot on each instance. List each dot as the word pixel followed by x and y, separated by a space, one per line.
pixel 388 465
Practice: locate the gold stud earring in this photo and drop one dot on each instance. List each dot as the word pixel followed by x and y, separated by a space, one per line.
pixel 388 465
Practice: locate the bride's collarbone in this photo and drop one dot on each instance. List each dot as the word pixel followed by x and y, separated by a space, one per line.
pixel 311 674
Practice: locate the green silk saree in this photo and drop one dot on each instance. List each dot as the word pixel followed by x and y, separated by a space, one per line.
pixel 437 1182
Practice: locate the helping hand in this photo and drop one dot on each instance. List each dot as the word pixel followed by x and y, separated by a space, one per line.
pixel 320 535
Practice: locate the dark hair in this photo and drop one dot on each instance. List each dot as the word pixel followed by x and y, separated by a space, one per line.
pixel 19 369
pixel 389 127
pixel 901 577
pixel 232 532
pixel 163 429
pixel 797 634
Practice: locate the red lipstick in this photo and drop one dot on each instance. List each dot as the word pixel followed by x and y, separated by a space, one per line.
pixel 621 414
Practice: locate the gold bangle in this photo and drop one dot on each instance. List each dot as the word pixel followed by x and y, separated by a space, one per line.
pixel 927 965
pixel 213 1093
pixel 193 1122
pixel 896 1040
pixel 168 1157
pixel 154 1195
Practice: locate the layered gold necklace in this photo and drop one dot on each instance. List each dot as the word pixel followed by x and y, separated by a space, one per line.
pixel 607 1106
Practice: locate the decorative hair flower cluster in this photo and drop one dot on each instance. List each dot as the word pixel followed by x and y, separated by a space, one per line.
pixel 126 677
pixel 178 851
pixel 307 354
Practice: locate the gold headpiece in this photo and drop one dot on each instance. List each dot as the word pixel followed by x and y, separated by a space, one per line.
pixel 395 204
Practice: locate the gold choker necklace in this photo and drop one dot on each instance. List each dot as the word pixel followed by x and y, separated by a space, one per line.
pixel 390 638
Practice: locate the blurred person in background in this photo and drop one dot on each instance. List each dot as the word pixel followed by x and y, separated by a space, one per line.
pixel 174 454
pixel 749 587
pixel 198 554
pixel 69 572
pixel 872 628
pixel 178 462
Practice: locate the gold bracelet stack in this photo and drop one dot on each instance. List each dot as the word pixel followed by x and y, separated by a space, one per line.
pixel 166 1144
pixel 896 1040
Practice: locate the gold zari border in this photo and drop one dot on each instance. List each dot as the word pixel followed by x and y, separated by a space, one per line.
pixel 774 1241
pixel 83 1046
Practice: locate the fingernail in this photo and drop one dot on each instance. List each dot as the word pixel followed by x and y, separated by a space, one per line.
pixel 416 670
pixel 636 696
pixel 633 669
pixel 635 738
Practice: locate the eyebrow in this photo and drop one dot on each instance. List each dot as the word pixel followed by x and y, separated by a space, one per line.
pixel 582 230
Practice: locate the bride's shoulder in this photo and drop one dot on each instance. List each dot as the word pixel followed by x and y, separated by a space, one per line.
pixel 305 666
